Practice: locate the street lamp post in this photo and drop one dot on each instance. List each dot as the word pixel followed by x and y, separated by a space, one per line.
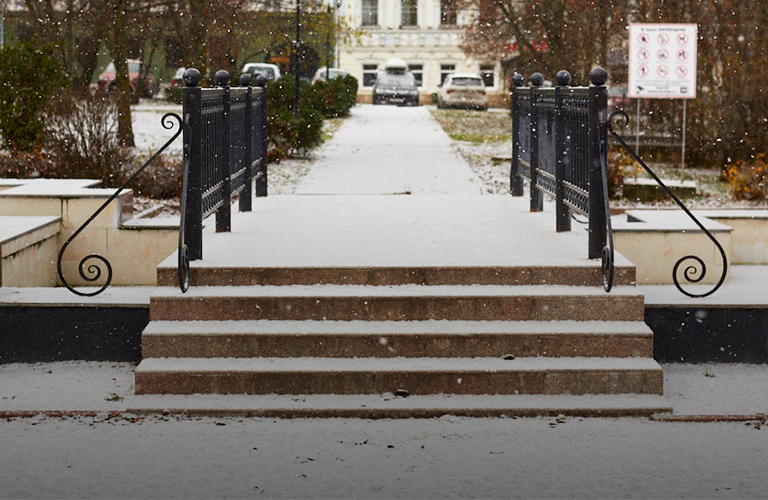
pixel 296 58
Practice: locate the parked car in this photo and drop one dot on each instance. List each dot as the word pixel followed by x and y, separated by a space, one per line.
pixel 462 91
pixel 107 78
pixel 330 73
pixel 177 80
pixel 394 87
pixel 617 97
pixel 270 71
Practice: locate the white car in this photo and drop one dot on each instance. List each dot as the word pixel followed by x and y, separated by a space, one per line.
pixel 270 71
pixel 330 73
pixel 462 91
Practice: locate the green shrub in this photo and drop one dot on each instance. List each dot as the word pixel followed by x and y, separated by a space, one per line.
pixel 29 75
pixel 286 130
pixel 335 97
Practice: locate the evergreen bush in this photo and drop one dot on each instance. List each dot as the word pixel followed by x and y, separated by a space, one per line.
pixel 29 75
pixel 286 130
pixel 334 98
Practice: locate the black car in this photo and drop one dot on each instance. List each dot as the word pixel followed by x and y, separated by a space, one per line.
pixel 395 88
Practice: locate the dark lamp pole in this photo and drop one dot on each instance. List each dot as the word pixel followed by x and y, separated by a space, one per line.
pixel 296 58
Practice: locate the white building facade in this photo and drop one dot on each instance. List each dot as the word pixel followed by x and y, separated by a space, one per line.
pixel 426 34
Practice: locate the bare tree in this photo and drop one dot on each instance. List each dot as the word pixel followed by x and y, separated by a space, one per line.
pixel 549 35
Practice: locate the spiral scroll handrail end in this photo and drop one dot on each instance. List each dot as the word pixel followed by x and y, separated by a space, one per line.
pixel 691 273
pixel 92 272
pixel 183 268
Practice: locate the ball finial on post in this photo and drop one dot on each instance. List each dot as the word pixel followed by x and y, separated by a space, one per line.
pixel 221 78
pixel 598 76
pixel 192 77
pixel 260 81
pixel 518 80
pixel 537 79
pixel 563 78
pixel 245 80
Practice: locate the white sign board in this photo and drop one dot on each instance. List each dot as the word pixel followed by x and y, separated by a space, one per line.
pixel 662 61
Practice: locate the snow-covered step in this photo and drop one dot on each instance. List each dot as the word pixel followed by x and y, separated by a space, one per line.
pixel 202 274
pixel 251 338
pixel 414 376
pixel 390 406
pixel 398 303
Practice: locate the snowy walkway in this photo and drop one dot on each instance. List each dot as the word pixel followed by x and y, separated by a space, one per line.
pixel 390 150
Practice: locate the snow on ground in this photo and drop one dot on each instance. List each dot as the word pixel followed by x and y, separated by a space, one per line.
pixel 449 457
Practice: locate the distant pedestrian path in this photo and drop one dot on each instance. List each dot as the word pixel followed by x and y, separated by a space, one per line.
pixel 390 150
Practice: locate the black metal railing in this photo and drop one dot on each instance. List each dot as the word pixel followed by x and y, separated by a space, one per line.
pixel 225 150
pixel 559 145
pixel 695 271
pixel 90 266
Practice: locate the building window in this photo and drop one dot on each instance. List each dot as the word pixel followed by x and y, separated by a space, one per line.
pixel 488 75
pixel 369 74
pixel 445 70
pixel 370 13
pixel 418 73
pixel 448 12
pixel 409 9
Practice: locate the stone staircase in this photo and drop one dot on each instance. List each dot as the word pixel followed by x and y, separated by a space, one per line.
pixel 398 342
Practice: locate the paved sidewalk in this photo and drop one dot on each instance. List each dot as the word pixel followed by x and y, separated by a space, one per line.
pixel 390 150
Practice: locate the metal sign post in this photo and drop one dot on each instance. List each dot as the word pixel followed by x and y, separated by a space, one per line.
pixel 662 64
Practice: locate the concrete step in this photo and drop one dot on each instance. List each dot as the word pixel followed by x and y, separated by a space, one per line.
pixel 202 275
pixel 416 376
pixel 398 303
pixel 391 406
pixel 347 339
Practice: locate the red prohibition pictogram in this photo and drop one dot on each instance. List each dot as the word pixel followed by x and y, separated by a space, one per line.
pixel 682 38
pixel 643 70
pixel 663 55
pixel 682 71
pixel 682 55
pixel 643 54
pixel 643 38
pixel 663 38
pixel 662 70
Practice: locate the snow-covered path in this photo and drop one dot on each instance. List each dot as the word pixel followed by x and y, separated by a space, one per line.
pixel 390 150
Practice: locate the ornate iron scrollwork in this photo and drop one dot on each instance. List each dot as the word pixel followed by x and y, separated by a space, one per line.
pixel 92 272
pixel 608 249
pixel 694 272
pixel 182 267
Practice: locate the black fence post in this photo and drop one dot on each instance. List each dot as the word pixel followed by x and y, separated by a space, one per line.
pixel 515 180
pixel 562 211
pixel 224 212
pixel 537 200
pixel 193 163
pixel 261 174
pixel 598 110
pixel 245 202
